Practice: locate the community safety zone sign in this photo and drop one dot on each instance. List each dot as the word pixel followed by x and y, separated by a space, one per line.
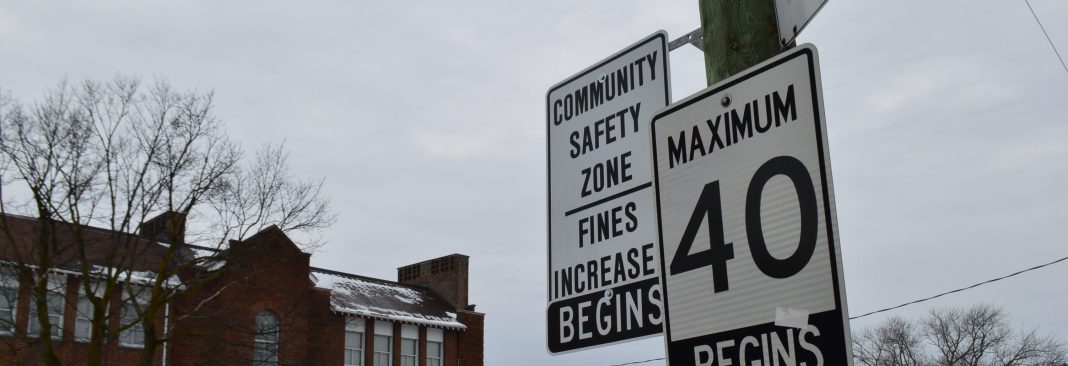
pixel 603 279
pixel 752 270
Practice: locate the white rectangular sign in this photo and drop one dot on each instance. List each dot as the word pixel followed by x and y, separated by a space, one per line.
pixel 603 283
pixel 794 15
pixel 751 265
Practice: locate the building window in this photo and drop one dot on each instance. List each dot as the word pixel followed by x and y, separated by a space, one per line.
pixel 354 329
pixel 433 353
pixel 83 319
pixel 265 347
pixel 383 344
pixel 383 350
pixel 9 297
pixel 54 302
pixel 409 352
pixel 131 320
pixel 435 350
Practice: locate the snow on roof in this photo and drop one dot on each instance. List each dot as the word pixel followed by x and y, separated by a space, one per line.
pixel 373 298
pixel 137 277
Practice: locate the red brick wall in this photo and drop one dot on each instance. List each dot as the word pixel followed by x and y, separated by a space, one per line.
pixel 470 342
pixel 396 343
pixel 451 349
pixel 422 346
pixel 369 342
pixel 264 273
pixel 447 276
pixel 326 338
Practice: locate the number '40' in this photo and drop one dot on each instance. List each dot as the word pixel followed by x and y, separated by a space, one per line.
pixel 709 206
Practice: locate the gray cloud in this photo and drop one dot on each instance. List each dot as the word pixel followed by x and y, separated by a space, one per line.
pixel 427 121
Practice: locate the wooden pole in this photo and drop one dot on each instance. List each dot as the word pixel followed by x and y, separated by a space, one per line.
pixel 737 34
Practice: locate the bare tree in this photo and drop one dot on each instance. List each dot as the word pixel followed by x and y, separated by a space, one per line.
pixel 111 155
pixel 976 336
pixel 895 342
pixel 265 194
pixel 966 336
pixel 1030 348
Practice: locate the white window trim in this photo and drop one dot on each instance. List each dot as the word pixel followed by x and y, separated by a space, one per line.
pixel 414 356
pixel 388 353
pixel 57 286
pixel 80 317
pixel 410 333
pixel 9 282
pixel 357 326
pixel 98 290
pixel 142 298
pixel 441 353
pixel 435 336
pixel 384 328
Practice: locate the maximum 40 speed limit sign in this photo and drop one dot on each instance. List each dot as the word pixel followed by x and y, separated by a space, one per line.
pixel 751 268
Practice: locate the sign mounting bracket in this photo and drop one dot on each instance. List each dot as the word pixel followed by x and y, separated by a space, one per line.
pixel 695 38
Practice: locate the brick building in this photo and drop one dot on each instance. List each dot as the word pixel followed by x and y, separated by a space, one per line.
pixel 259 302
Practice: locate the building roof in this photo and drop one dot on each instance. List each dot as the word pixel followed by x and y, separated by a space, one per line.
pixel 349 294
pixel 21 241
pixel 385 300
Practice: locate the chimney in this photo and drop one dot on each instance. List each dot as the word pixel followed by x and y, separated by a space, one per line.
pixel 161 227
pixel 446 275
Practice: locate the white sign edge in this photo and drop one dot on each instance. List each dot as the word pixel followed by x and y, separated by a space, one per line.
pixel 663 35
pixel 838 267
pixel 778 18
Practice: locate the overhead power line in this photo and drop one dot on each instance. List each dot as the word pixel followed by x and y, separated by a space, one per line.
pixel 1028 2
pixel 910 302
pixel 960 289
pixel 638 362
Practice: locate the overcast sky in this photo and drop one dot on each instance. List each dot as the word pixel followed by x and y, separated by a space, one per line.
pixel 946 120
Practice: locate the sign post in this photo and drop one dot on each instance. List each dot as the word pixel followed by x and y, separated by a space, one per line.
pixel 737 35
pixel 752 269
pixel 603 283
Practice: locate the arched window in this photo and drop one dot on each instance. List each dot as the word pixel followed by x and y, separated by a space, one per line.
pixel 265 345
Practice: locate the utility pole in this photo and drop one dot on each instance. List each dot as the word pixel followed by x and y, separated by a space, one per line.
pixel 737 34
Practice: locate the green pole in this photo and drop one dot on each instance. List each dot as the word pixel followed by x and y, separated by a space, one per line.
pixel 737 34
